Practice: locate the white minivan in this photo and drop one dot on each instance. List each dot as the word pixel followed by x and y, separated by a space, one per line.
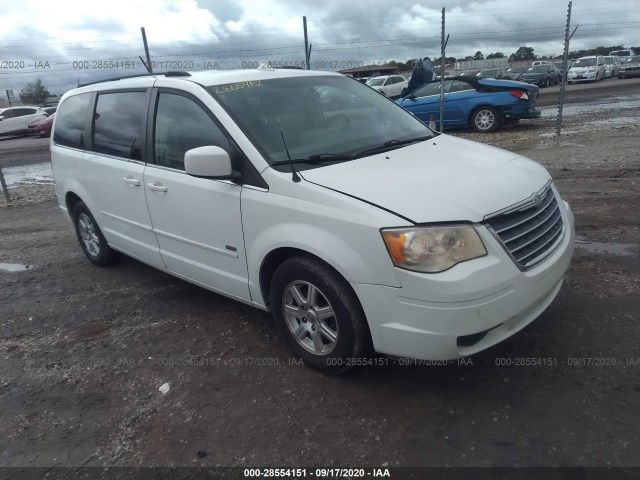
pixel 356 225
pixel 587 69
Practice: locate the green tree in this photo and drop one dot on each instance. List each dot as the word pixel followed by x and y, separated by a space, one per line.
pixel 478 55
pixel 523 53
pixel 495 55
pixel 35 93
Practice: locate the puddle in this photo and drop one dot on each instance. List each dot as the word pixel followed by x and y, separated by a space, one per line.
pixel 621 249
pixel 614 103
pixel 14 267
pixel 39 173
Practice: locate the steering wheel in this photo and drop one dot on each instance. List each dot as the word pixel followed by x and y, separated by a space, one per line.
pixel 340 116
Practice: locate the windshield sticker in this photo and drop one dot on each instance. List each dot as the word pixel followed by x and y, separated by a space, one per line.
pixel 236 86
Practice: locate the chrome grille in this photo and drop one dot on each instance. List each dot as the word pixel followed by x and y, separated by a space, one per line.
pixel 532 230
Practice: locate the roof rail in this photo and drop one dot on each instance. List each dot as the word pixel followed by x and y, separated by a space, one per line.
pixel 137 75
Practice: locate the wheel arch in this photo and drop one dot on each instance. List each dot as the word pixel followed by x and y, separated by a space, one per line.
pixel 277 257
pixel 474 109
pixel 71 199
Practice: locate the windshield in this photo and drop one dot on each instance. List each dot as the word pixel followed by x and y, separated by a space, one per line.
pixel 376 82
pixel 608 60
pixel 317 115
pixel 487 73
pixel 621 53
pixel 539 69
pixel 585 62
pixel 518 69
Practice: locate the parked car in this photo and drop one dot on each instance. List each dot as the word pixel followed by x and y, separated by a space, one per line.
pixel 355 227
pixel 540 62
pixel 513 73
pixel 587 69
pixel 623 53
pixel 630 68
pixel 16 120
pixel 50 110
pixel 482 104
pixel 490 73
pixel 560 67
pixel 542 75
pixel 41 127
pixel 611 66
pixel 391 85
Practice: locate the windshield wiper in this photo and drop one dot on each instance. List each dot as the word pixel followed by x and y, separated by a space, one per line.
pixel 389 144
pixel 317 158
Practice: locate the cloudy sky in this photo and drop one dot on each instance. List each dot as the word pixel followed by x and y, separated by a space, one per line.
pixel 66 41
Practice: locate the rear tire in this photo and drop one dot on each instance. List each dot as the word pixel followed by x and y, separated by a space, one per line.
pixel 318 314
pixel 485 119
pixel 92 242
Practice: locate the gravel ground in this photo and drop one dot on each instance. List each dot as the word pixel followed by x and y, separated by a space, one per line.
pixel 85 350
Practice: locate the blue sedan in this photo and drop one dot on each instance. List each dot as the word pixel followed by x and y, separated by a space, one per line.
pixel 482 104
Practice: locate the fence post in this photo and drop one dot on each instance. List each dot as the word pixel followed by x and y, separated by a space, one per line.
pixel 5 189
pixel 565 71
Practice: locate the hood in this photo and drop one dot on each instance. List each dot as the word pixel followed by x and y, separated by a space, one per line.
pixel 439 180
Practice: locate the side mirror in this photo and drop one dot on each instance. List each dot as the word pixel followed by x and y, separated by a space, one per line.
pixel 208 162
pixel 1 117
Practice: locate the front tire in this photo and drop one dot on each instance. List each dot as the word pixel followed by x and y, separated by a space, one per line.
pixel 92 242
pixel 485 119
pixel 318 314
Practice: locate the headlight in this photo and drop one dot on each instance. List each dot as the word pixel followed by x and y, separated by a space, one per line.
pixel 432 249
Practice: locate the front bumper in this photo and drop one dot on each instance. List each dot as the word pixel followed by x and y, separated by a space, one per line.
pixel 582 77
pixel 536 81
pixel 466 309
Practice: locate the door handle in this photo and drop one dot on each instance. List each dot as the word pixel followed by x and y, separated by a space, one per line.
pixel 156 187
pixel 134 182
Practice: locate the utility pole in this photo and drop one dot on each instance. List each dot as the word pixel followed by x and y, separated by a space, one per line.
pixel 565 72
pixel 147 65
pixel 307 52
pixel 443 45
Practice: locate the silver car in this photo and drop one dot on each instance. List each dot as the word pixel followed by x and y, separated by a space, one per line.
pixel 611 66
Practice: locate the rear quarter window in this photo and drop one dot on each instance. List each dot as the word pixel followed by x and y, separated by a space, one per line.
pixel 71 120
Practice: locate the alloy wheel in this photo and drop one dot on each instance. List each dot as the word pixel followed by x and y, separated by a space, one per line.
pixel 88 235
pixel 484 119
pixel 310 317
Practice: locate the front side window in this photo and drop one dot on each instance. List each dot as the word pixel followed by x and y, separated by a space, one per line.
pixel 118 125
pixel 71 119
pixel 8 114
pixel 181 125
pixel 432 89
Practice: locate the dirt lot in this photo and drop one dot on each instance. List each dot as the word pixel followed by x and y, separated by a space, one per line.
pixel 85 349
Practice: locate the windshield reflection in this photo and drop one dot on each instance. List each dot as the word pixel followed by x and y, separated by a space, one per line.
pixel 316 115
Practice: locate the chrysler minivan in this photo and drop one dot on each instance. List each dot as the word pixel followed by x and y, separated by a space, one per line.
pixel 356 225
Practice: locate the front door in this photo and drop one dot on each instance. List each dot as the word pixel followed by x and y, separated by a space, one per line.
pixel 197 221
